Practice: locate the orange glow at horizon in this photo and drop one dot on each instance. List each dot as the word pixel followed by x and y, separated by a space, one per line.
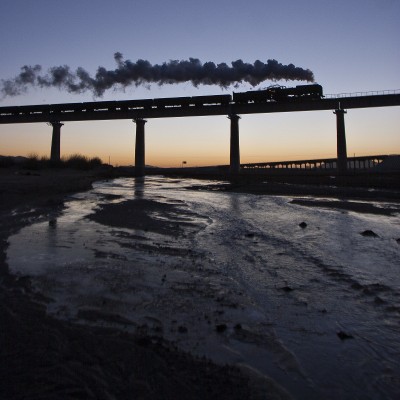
pixel 203 141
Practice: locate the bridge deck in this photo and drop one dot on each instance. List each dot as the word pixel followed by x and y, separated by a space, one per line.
pixel 28 116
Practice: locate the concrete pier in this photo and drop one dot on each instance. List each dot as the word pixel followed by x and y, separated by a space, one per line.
pixel 235 149
pixel 139 147
pixel 55 141
pixel 341 142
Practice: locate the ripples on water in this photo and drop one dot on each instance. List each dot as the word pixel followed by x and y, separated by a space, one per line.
pixel 242 283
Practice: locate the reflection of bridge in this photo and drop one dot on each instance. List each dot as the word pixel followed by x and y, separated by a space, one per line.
pixel 139 113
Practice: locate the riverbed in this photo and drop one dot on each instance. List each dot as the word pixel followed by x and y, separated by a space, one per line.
pixel 308 297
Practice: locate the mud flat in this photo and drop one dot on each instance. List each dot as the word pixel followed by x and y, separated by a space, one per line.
pixel 305 189
pixel 45 358
pixel 355 206
pixel 148 274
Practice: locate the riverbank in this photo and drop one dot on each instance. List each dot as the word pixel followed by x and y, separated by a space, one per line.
pixel 45 358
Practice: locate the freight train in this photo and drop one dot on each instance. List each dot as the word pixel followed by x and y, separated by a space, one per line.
pixel 271 94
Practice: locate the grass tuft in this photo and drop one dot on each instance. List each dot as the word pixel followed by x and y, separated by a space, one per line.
pixel 74 161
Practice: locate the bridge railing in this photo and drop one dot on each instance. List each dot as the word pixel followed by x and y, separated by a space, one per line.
pixel 362 94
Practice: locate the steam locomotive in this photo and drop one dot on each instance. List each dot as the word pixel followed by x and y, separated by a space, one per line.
pixel 279 93
pixel 271 94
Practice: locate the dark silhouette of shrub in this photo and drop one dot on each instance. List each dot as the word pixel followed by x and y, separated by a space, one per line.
pixel 75 161
pixel 32 162
pixel 95 162
pixel 6 162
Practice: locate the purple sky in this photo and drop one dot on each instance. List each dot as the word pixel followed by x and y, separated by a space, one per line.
pixel 349 45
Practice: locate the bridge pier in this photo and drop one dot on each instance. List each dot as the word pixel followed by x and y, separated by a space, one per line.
pixel 235 149
pixel 55 141
pixel 341 142
pixel 139 147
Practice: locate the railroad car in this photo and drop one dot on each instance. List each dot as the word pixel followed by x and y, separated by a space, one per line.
pixel 254 96
pixel 164 102
pixel 126 105
pixel 211 100
pixel 68 107
pixel 243 97
pixel 98 106
pixel 314 91
pixel 8 110
pixel 35 109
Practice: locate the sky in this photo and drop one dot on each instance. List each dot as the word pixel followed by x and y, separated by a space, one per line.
pixel 349 45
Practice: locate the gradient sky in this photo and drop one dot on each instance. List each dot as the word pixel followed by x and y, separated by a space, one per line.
pixel 350 45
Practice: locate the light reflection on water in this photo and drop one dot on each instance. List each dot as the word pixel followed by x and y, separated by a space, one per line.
pixel 278 293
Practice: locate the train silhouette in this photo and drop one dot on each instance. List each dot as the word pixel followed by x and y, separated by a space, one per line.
pixel 271 94
pixel 280 93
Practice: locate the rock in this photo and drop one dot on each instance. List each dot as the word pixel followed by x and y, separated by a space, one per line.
pixel 249 235
pixel 379 301
pixel 238 327
pixel 398 241
pixel 286 288
pixel 357 286
pixel 182 329
pixel 369 233
pixel 303 225
pixel 143 341
pixel 343 335
pixel 25 282
pixel 221 328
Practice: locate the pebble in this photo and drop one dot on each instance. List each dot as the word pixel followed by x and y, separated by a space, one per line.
pixel 343 335
pixel 369 233
pixel 182 329
pixel 221 328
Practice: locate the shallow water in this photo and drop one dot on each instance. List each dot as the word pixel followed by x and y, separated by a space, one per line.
pixel 243 283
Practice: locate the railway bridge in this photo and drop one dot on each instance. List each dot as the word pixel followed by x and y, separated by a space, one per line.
pixel 140 111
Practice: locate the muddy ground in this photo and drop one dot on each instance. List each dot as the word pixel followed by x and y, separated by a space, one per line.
pixel 45 358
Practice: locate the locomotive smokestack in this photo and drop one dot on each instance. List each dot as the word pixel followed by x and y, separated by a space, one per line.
pixel 142 72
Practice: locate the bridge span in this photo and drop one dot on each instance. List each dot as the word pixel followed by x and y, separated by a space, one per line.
pixel 359 164
pixel 141 110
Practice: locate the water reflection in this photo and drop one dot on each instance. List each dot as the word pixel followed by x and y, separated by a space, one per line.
pixel 52 236
pixel 139 187
pixel 230 271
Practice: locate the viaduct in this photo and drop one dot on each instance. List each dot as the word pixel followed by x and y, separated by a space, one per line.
pixel 140 115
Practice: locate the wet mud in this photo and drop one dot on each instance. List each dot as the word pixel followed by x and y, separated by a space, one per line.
pixel 296 298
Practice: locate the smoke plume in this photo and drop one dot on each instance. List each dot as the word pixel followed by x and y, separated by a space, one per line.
pixel 142 72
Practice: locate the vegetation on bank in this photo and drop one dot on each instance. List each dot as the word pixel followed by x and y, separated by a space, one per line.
pixel 34 162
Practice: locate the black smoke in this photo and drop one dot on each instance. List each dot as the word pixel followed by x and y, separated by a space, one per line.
pixel 142 72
